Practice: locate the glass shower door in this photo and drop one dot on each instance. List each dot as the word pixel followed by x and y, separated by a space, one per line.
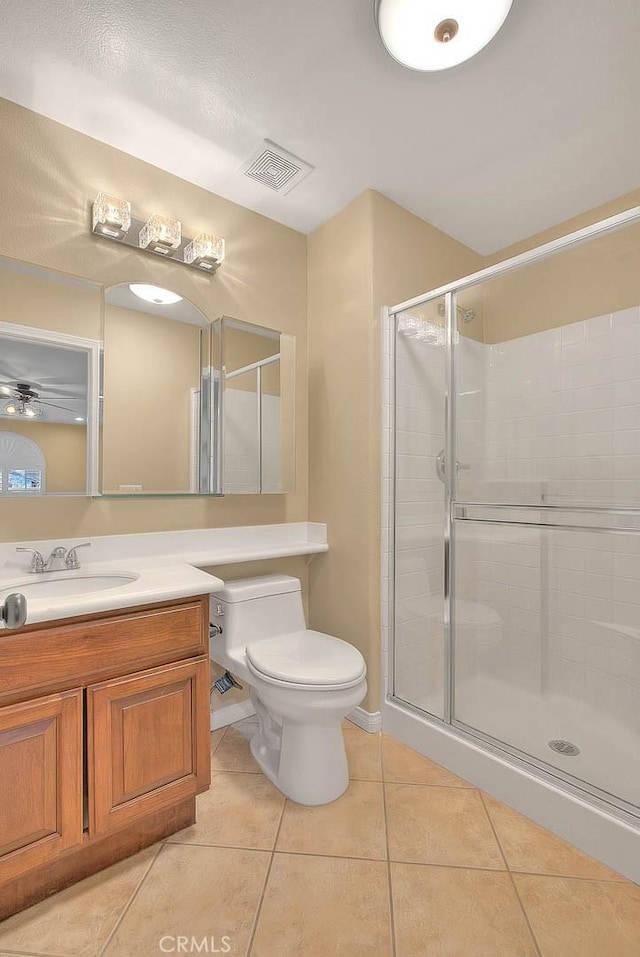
pixel 419 428
pixel 546 519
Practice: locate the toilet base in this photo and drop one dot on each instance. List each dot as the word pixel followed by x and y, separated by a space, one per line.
pixel 305 759
pixel 311 765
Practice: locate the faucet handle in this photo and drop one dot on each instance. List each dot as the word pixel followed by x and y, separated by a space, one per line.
pixel 71 561
pixel 37 562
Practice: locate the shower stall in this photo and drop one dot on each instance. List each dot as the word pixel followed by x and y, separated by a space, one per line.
pixel 511 532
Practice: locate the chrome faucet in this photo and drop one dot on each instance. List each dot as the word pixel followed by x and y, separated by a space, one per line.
pixel 56 560
pixel 59 560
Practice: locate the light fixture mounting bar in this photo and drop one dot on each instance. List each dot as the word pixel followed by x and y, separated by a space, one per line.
pixel 177 255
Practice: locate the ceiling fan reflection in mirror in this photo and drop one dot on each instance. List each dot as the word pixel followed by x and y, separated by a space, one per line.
pixel 23 400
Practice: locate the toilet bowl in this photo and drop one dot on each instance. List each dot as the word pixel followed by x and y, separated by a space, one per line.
pixel 302 684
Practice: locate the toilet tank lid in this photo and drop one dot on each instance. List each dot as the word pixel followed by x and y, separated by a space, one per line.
pixel 245 589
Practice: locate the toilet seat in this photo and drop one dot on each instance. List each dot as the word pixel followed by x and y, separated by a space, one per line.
pixel 306 659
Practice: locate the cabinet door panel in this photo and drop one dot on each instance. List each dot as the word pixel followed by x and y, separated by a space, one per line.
pixel 148 742
pixel 40 781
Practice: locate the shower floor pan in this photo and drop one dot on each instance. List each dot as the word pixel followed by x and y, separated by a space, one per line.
pixel 608 757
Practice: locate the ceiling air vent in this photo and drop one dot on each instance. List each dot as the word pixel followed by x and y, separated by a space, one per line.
pixel 276 168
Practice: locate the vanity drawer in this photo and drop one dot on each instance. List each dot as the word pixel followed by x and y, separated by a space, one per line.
pixel 67 654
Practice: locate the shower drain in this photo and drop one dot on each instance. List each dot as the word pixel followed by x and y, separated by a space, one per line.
pixel 564 747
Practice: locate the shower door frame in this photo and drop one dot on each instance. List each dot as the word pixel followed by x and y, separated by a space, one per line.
pixel 455 512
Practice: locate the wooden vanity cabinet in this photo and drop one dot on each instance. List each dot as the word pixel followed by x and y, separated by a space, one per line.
pixel 40 781
pixel 104 741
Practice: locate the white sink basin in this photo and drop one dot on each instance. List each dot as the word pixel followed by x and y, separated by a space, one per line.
pixel 61 585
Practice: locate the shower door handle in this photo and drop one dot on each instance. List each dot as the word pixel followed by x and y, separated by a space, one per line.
pixel 441 468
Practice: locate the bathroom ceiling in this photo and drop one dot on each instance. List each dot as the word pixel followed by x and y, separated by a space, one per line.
pixel 541 125
pixel 58 375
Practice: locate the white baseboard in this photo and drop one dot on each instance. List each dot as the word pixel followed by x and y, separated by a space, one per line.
pixel 229 714
pixel 370 721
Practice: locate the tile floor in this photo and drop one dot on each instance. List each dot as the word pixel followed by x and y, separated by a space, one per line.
pixel 410 862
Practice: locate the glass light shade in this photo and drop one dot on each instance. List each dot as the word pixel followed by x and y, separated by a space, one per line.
pixel 20 407
pixel 111 216
pixel 205 250
pixel 155 294
pixel 161 234
pixel 437 34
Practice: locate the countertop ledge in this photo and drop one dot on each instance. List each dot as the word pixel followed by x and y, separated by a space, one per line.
pixel 166 565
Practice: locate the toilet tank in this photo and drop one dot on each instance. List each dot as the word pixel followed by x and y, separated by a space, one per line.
pixel 253 608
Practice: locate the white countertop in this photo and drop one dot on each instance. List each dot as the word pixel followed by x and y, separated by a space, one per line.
pixel 166 565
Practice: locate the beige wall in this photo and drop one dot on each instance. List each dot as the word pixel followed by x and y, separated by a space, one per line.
pixel 151 365
pixel 41 303
pixel 591 279
pixel 64 448
pixel 340 409
pixel 372 253
pixel 50 175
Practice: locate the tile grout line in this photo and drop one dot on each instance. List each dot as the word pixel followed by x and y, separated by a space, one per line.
pixel 513 883
pixel 266 880
pixel 213 750
pixel 131 900
pixel 392 922
pixel 422 784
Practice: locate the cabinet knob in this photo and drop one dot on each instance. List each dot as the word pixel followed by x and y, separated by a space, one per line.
pixel 14 610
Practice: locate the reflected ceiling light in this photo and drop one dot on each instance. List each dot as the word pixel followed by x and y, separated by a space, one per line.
pixel 78 418
pixel 111 216
pixel 161 234
pixel 21 407
pixel 155 294
pixel 205 251
pixel 433 35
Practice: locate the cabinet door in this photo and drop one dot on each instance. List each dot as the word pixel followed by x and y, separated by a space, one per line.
pixel 40 781
pixel 148 742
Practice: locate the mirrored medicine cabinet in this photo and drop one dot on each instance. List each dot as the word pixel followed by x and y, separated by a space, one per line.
pixel 108 391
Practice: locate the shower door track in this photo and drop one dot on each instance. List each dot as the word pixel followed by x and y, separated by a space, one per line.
pixel 568 783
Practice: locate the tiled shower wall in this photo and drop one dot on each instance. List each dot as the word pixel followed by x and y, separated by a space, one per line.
pixel 562 414
pixel 551 417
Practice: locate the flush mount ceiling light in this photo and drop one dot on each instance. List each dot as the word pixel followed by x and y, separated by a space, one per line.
pixel 112 219
pixel 433 35
pixel 155 294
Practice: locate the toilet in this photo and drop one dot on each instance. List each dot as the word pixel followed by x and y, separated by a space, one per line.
pixel 302 684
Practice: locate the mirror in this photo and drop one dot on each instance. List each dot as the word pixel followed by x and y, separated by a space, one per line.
pixel 254 408
pixel 103 391
pixel 156 436
pixel 49 379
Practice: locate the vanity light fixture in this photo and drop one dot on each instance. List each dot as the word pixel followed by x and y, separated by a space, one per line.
pixel 155 294
pixel 112 218
pixel 205 251
pixel 433 35
pixel 161 234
